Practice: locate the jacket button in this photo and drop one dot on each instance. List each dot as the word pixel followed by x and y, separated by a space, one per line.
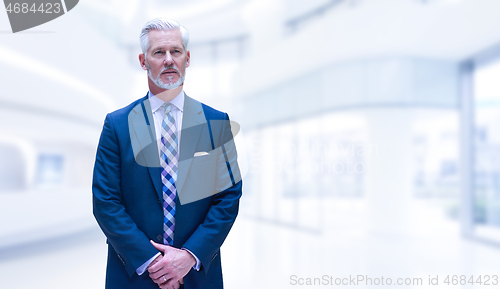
pixel 159 238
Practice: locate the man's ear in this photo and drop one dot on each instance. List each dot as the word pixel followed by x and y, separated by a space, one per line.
pixel 188 53
pixel 142 61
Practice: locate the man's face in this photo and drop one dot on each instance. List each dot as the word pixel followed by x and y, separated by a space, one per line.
pixel 166 59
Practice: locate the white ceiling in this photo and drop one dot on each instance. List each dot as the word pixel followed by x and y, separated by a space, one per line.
pixel 83 63
pixel 452 30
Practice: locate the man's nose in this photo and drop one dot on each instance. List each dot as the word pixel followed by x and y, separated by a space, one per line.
pixel 168 59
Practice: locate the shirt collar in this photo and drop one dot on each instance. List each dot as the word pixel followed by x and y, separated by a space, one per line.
pixel 156 103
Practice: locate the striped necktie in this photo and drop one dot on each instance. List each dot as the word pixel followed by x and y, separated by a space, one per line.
pixel 169 157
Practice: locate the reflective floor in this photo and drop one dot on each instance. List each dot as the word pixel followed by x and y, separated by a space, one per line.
pixel 260 253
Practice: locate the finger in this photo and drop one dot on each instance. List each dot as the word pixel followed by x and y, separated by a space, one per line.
pixel 181 280
pixel 167 250
pixel 154 268
pixel 159 283
pixel 173 284
pixel 157 266
pixel 159 275
pixel 163 267
pixel 154 276
pixel 160 247
pixel 161 279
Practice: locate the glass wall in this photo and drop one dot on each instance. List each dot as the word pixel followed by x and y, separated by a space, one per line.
pixel 299 170
pixel 486 150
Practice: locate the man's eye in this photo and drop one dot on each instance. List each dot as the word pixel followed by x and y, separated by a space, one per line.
pixel 158 52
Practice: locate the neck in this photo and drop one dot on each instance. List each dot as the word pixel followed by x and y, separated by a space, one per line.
pixel 164 94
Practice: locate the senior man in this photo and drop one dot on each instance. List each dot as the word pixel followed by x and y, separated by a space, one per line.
pixel 166 182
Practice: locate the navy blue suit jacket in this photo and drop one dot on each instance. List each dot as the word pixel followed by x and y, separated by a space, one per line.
pixel 127 192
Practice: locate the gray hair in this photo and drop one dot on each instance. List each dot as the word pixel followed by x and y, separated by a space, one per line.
pixel 161 24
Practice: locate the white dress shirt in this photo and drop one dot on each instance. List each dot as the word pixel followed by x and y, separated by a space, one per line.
pixel 158 112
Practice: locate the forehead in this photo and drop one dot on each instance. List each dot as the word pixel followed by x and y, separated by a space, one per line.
pixel 159 38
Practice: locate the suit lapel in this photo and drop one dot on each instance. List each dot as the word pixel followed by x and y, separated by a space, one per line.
pixel 192 125
pixel 144 145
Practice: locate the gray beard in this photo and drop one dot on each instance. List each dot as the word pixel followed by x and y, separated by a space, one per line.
pixel 160 83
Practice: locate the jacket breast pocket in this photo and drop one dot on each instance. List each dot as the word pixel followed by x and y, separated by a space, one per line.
pixel 204 158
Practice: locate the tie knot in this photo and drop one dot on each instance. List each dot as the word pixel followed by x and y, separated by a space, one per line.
pixel 168 107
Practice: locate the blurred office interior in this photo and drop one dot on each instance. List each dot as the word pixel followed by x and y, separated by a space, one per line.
pixel 370 135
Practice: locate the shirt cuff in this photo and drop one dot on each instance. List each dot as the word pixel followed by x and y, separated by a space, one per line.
pixel 144 266
pixel 198 263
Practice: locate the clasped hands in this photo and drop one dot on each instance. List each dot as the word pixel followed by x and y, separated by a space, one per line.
pixel 168 270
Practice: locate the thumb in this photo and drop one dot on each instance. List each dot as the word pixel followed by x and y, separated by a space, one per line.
pixel 160 247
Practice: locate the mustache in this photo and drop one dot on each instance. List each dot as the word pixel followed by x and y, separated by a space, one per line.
pixel 170 67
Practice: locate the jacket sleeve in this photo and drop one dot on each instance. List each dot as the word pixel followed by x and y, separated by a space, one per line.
pixel 129 242
pixel 207 239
